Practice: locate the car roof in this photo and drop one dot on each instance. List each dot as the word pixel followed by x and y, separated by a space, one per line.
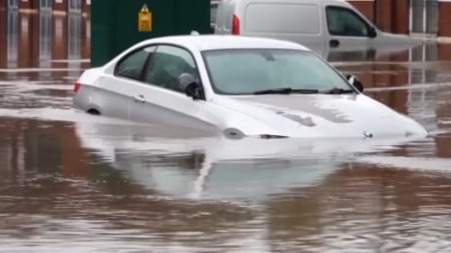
pixel 218 42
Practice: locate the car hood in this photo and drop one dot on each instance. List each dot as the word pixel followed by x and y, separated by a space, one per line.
pixel 322 115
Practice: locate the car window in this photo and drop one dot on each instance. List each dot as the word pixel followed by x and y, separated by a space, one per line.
pixel 132 65
pixel 345 22
pixel 245 71
pixel 168 63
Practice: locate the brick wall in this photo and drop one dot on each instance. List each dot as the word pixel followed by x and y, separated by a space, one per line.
pixel 86 6
pixel 28 35
pixel 444 17
pixel 59 37
pixel 27 4
pixel 387 15
pixel 60 5
pixel 384 12
pixel 400 17
pixel 365 7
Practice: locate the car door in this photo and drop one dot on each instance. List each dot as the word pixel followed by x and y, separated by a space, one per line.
pixel 158 97
pixel 347 30
pixel 117 93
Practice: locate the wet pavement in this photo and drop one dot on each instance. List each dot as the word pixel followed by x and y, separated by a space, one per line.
pixel 71 182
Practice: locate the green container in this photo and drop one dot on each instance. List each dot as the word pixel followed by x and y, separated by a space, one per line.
pixel 114 23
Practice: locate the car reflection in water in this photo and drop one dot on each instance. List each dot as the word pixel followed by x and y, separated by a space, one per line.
pixel 216 167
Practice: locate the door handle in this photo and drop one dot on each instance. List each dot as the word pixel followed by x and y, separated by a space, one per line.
pixel 334 43
pixel 139 99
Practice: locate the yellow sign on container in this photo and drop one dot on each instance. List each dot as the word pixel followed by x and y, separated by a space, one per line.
pixel 145 19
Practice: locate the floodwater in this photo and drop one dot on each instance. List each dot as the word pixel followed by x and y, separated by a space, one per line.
pixel 70 182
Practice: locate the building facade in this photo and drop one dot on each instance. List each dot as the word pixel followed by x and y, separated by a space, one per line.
pixel 35 33
pixel 55 6
pixel 430 17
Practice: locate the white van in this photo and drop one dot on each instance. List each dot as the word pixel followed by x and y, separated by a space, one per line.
pixel 322 25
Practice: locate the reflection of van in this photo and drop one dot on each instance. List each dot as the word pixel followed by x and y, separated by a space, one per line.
pixel 318 24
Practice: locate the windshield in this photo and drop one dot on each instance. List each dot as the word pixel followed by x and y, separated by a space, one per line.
pixel 257 71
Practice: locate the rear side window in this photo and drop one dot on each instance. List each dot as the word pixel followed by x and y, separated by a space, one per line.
pixel 168 63
pixel 345 22
pixel 131 66
pixel 282 18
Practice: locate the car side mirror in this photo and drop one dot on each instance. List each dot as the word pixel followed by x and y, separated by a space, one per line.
pixel 355 82
pixel 372 33
pixel 188 84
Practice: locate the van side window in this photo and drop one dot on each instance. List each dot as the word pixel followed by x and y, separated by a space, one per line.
pixel 345 22
pixel 131 66
pixel 167 64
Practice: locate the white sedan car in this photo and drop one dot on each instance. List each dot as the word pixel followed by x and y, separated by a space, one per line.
pixel 238 87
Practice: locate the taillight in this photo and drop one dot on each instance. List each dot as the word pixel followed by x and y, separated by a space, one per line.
pixel 235 25
pixel 77 87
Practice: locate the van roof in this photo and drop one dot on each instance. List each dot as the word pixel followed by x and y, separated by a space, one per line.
pixel 216 42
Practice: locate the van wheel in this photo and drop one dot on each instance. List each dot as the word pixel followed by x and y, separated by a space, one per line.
pixel 93 112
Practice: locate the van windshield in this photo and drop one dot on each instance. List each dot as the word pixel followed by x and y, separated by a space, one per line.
pixel 271 71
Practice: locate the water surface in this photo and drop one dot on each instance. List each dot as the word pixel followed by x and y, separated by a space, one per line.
pixel 72 182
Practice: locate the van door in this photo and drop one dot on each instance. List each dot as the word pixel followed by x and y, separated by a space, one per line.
pixel 347 30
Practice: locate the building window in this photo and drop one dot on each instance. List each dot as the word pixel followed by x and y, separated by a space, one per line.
pixel 423 16
pixel 45 5
pixel 74 36
pixel 12 39
pixel 74 6
pixel 45 40
pixel 12 4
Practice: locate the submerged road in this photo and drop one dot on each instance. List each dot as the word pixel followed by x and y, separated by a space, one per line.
pixel 71 182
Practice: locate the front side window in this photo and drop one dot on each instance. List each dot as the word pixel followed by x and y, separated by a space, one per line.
pixel 345 22
pixel 250 71
pixel 132 65
pixel 166 66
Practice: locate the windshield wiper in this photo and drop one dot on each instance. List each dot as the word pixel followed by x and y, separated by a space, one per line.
pixel 338 91
pixel 286 91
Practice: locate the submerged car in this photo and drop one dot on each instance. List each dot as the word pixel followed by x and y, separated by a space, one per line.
pixel 236 86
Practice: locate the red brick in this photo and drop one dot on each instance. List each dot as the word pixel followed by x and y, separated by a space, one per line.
pixel 444 23
pixel 365 7
pixel 400 17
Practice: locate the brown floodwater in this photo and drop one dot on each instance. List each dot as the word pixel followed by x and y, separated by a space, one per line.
pixel 70 182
